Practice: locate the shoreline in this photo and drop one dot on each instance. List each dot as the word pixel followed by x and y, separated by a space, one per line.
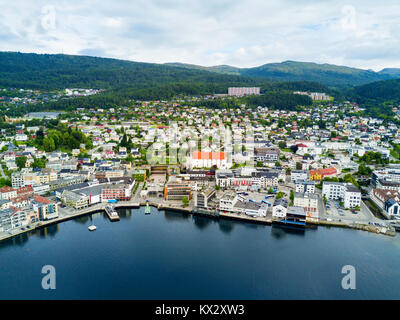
pixel 224 215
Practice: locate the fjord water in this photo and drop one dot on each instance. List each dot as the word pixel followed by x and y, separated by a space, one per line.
pixel 169 255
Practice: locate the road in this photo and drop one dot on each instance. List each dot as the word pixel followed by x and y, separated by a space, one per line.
pixel 2 172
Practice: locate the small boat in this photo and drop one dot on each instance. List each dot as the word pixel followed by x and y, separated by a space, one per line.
pixel 147 209
pixel 92 227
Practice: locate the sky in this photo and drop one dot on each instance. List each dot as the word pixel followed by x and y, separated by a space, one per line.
pixel 242 33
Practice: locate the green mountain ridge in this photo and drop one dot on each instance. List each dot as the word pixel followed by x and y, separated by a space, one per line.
pixel 391 71
pixel 327 74
pixel 54 71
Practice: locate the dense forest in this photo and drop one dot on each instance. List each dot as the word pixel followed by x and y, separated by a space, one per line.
pixel 274 100
pixel 125 81
pixel 377 97
pixel 46 71
pixel 327 74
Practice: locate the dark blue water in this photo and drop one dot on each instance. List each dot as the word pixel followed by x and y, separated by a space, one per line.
pixel 167 255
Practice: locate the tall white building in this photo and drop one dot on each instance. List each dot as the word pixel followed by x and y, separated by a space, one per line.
pixel 345 192
pixel 241 91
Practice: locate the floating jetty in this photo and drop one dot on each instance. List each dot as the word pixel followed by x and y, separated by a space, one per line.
pixel 112 214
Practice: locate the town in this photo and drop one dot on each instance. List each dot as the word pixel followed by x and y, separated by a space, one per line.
pixel 327 164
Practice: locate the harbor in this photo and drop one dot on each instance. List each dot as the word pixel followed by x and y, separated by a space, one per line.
pixel 154 252
pixel 111 211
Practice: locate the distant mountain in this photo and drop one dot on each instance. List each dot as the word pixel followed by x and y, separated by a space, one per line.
pixel 327 74
pixel 380 91
pixel 54 71
pixel 395 72
pixel 224 69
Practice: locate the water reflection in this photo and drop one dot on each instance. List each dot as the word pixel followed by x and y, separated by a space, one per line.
pixel 49 231
pixel 280 231
pixel 18 240
pixel 202 222
pixel 125 213
pixel 253 225
pixel 90 217
pixel 82 219
pixel 226 226
pixel 172 216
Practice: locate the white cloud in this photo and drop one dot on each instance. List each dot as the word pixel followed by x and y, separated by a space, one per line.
pixel 363 33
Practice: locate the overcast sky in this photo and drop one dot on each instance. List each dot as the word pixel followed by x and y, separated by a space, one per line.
pixel 360 33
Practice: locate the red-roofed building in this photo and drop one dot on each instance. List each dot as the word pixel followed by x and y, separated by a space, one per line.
pixel 322 173
pixel 205 159
pixel 25 191
pixel 7 193
pixel 44 208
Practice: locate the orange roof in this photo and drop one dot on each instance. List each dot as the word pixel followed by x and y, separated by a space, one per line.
pixel 328 171
pixel 198 155
pixel 41 199
pixel 324 172
pixel 25 189
pixel 6 189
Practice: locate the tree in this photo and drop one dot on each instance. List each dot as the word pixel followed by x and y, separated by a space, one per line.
pixel 20 161
pixel 38 163
pixel 291 195
pixel 48 144
pixel 298 166
pixel 280 195
pixel 349 178
pixel 185 201
pixel 282 144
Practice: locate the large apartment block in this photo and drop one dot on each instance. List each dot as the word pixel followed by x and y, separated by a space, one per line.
pixel 345 192
pixel 241 91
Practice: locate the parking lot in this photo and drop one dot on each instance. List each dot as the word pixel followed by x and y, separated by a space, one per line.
pixel 337 213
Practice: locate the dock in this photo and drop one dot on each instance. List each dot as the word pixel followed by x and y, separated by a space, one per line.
pixel 112 214
pixel 207 213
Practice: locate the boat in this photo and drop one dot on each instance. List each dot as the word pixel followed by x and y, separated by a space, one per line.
pixel 112 214
pixel 147 209
pixel 92 227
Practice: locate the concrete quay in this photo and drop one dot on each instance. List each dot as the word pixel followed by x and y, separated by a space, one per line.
pixel 71 214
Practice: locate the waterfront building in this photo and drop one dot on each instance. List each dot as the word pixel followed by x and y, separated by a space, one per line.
pixel 74 200
pixel 177 191
pixel 280 208
pixel 12 218
pixel 345 192
pixel 202 198
pixel 392 209
pixel 44 208
pixel 386 200
pixel 227 202
pixel 309 202
pixel 120 192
